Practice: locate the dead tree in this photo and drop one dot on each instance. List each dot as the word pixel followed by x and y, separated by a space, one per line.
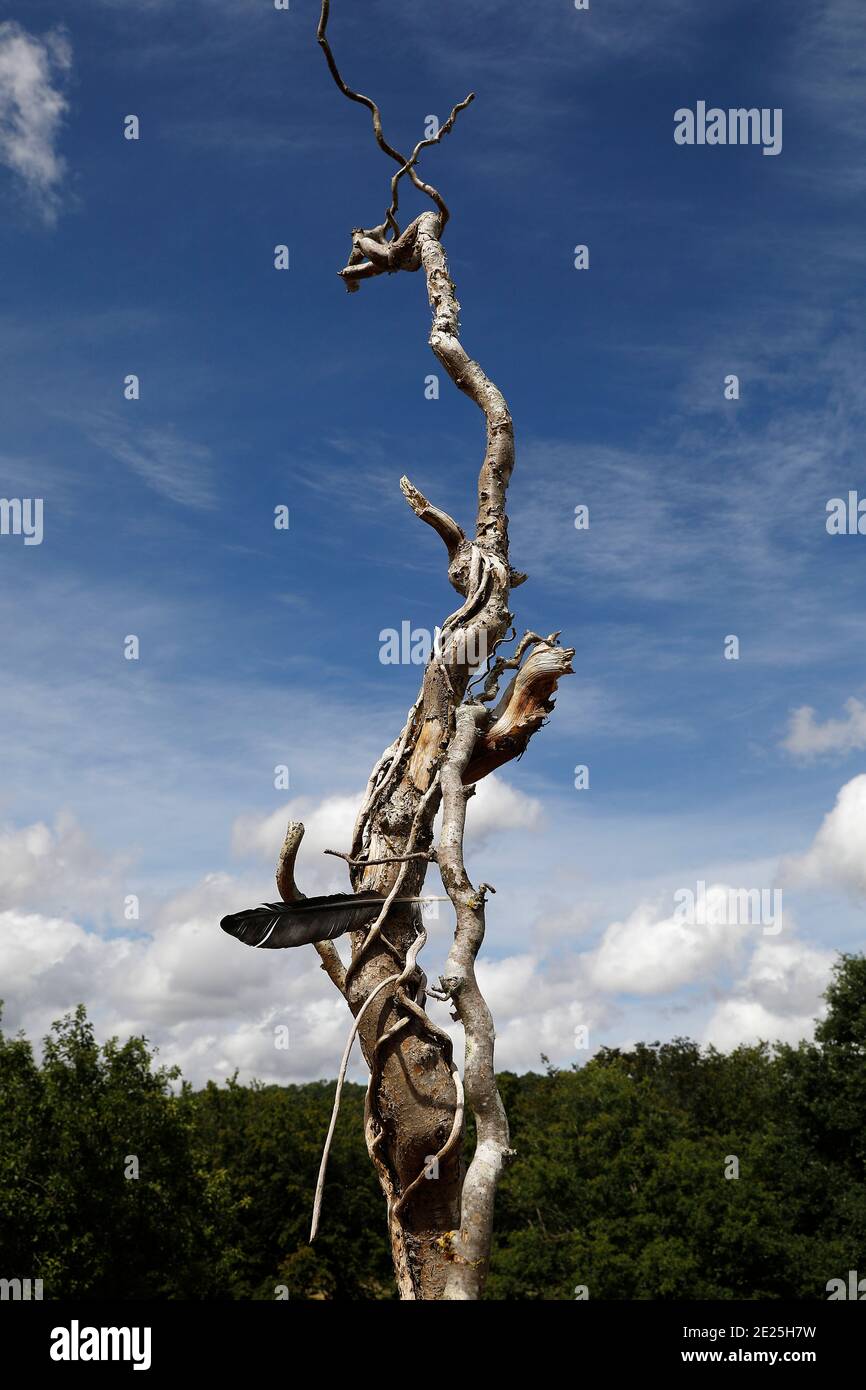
pixel 460 728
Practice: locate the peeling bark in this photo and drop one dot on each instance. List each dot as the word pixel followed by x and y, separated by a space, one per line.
pixel 440 1228
pixel 470 1246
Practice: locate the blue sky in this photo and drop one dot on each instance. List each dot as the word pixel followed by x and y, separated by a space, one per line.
pixel 261 388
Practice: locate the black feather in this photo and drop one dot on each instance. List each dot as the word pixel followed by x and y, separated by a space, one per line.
pixel 274 925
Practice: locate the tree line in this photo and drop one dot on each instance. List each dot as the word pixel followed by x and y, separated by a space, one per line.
pixel 667 1171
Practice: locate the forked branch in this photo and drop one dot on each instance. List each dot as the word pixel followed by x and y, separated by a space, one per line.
pixel 440 1230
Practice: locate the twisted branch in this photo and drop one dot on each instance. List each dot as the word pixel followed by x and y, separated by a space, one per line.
pixel 470 1246
pixel 444 744
pixel 410 163
pixel 407 166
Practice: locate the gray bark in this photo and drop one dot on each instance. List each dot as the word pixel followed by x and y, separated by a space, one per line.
pixel 440 1228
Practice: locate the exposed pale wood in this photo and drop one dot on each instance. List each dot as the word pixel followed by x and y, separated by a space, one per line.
pixel 289 892
pixel 470 1246
pixel 440 1229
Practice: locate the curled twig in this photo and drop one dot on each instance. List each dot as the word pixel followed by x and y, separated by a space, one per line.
pixel 407 166
pixel 355 96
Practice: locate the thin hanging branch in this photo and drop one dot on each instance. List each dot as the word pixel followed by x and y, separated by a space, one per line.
pixel 335 1110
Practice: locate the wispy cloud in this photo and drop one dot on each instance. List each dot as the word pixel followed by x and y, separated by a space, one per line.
pixel 778 996
pixel 176 468
pixel 33 72
pixel 837 855
pixel 808 738
pixel 694 499
pixel 826 65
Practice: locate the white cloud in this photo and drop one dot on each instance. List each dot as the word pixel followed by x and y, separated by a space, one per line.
pixel 807 738
pixel 497 806
pixel 176 468
pixel 59 869
pixel 32 107
pixel 212 1006
pixel 787 976
pixel 779 996
pixel 650 955
pixel 537 1004
pixel 837 855
pixel 184 987
pixel 49 964
pixel 328 824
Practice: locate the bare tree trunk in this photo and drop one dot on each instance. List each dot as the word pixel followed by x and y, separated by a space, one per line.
pixel 440 1226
